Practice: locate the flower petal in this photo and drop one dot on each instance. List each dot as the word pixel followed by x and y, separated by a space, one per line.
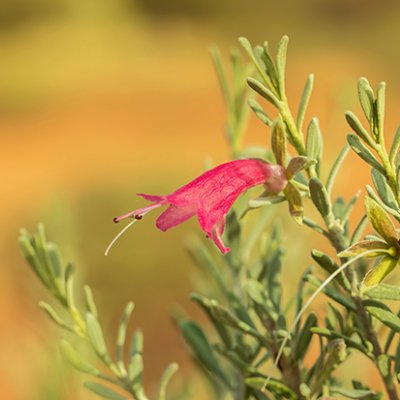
pixel 173 216
pixel 215 236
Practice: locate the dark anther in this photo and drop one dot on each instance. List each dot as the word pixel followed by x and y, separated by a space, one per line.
pixel 115 220
pixel 138 216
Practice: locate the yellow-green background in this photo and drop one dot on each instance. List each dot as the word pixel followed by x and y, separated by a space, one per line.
pixel 101 99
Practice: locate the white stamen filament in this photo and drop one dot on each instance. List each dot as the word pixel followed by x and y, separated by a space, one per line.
pixel 118 236
pixel 326 282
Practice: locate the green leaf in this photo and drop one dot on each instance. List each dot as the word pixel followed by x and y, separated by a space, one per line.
pixel 90 304
pixel 383 292
pixel 383 313
pixel 226 317
pixel 219 69
pixel 378 272
pixel 363 152
pixel 335 168
pixel 136 346
pixel 314 140
pixel 259 111
pixel 366 97
pixel 381 221
pixel 29 252
pixel 121 336
pixel 320 197
pixel 75 359
pixel 383 189
pixel 198 342
pixel 248 48
pixel 278 141
pixel 272 268
pixel 54 262
pixel 380 106
pixel 263 91
pixel 104 391
pixel 281 62
pixel 351 393
pixel 96 335
pixel 375 197
pixel 273 386
pixel 264 55
pixel 366 245
pixel 256 292
pixel 304 337
pixel 165 379
pixel 394 148
pixel 297 164
pixel 357 127
pixel 329 265
pixel 295 202
pixel 54 316
pixel 384 365
pixel 135 372
pixel 304 100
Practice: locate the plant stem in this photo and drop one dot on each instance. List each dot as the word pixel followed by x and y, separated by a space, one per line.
pixel 339 241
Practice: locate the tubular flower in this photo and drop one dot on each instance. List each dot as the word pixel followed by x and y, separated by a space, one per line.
pixel 211 195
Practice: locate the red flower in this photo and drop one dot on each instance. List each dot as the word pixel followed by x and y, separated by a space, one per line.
pixel 211 195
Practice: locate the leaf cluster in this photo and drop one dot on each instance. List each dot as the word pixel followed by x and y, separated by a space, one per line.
pixel 123 376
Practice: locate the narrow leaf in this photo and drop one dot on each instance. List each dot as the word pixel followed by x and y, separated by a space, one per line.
pixel 121 336
pixel 381 221
pixel 357 127
pixel 379 272
pixel 198 342
pixel 335 168
pixel 363 152
pixel 380 107
pixel 364 245
pixel 259 111
pixel 281 62
pixel 304 337
pixel 366 97
pixel 165 379
pixel 304 100
pixel 104 391
pixel 383 313
pixel 314 140
pixel 383 189
pixel 394 149
pixel 297 164
pixel 90 304
pixel 263 91
pixel 383 292
pixel 54 316
pixel 320 197
pixel 278 141
pixel 75 359
pixel 96 334
pixel 352 393
pixel 276 387
pixel 293 197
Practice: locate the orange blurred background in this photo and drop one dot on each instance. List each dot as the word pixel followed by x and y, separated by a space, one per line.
pixel 102 99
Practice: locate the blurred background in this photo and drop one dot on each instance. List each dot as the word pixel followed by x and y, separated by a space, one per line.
pixel 102 99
